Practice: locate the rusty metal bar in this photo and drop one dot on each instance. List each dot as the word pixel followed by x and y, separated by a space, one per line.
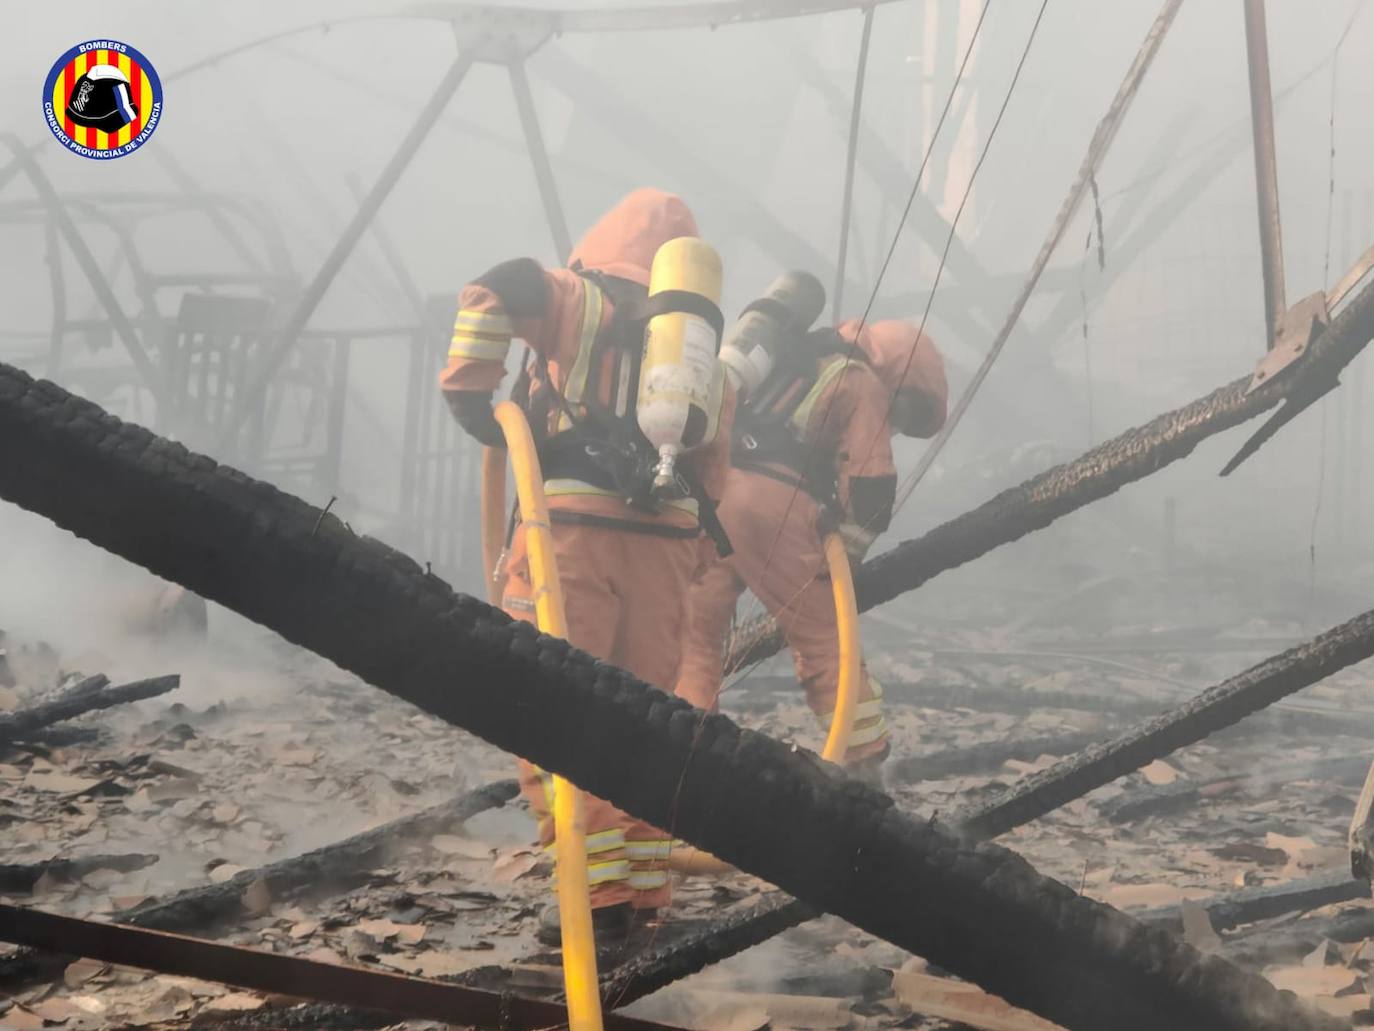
pixel 539 157
pixel 330 869
pixel 1266 166
pixel 362 218
pixel 168 953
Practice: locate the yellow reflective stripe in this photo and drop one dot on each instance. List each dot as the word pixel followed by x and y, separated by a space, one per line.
pixel 567 486
pixel 869 710
pixel 648 851
pixel 479 348
pixel 556 487
pixel 495 323
pixel 875 686
pixel 867 735
pixel 605 841
pixel 647 880
pixel 600 873
pixel 575 388
pixel 612 840
pixel 801 418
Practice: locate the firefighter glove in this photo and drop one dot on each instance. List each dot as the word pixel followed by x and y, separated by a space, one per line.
pixel 472 409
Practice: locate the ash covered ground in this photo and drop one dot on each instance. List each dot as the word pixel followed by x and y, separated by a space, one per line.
pixel 265 752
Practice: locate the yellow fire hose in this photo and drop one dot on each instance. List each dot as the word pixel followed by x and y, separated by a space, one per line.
pixel 493 517
pixel 851 651
pixel 574 900
pixel 693 861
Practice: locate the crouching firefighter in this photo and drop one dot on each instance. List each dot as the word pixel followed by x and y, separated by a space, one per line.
pixel 812 454
pixel 629 471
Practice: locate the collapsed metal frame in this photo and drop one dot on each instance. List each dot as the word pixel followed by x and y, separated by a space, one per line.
pixel 507 37
pixel 550 23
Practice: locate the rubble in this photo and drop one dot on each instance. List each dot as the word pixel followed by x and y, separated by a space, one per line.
pixel 88 695
pixel 308 577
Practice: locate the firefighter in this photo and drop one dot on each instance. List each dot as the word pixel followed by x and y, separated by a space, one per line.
pixel 812 452
pixel 624 558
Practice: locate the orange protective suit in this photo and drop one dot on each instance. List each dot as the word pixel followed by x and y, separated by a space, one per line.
pixel 624 572
pixel 774 528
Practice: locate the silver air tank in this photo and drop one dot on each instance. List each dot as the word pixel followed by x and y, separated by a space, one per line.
pixel 750 347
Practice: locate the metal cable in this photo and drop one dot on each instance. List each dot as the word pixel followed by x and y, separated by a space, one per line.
pixel 1101 141
pixel 846 205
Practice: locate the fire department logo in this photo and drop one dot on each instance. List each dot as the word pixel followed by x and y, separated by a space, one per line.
pixel 102 99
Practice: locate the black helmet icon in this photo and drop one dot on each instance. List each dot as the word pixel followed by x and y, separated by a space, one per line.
pixel 100 99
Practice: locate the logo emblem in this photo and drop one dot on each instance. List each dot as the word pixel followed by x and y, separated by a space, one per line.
pixel 102 99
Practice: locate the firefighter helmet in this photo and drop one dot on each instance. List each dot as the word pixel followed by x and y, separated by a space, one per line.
pixel 100 99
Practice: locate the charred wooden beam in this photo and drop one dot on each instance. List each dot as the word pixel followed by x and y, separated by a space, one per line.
pixel 1100 764
pixel 1217 707
pixel 330 869
pixel 21 877
pixel 1181 795
pixel 983 913
pixel 956 762
pixel 1266 901
pixel 1262 944
pixel 1098 473
pixel 87 696
pixel 290 975
pixel 739 931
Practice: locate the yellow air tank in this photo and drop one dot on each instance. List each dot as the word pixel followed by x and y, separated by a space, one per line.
pixel 679 380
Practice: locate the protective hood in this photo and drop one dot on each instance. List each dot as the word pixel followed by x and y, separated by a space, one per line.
pixel 906 360
pixel 625 239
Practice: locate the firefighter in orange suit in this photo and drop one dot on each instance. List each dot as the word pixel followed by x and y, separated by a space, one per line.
pixel 624 567
pixel 820 458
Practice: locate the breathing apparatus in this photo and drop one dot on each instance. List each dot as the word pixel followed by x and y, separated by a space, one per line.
pixel 760 337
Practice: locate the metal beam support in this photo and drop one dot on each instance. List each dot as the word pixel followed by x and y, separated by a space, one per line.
pixel 226 229
pixel 1266 166
pixel 894 179
pixel 123 328
pixel 395 261
pixel 57 282
pixel 652 138
pixel 362 218
pixel 539 157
